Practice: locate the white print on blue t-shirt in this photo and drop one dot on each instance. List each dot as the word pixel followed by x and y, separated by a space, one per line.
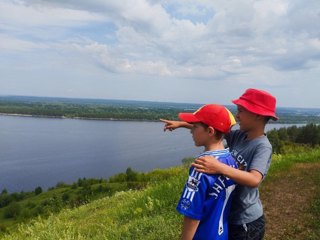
pixel 192 185
pixel 229 190
pixel 218 187
pixel 207 198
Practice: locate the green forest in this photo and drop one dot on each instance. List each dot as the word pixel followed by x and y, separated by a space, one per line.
pixel 112 110
pixel 291 145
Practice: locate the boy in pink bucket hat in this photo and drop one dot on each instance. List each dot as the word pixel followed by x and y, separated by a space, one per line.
pixel 252 150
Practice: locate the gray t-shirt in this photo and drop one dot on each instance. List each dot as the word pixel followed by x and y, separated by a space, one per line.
pixel 252 154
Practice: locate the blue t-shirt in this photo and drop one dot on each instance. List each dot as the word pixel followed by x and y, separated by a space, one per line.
pixel 207 198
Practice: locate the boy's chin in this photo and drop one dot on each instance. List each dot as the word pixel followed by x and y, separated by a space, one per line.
pixel 242 128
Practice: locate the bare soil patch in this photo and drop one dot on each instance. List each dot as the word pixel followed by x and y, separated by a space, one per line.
pixel 287 198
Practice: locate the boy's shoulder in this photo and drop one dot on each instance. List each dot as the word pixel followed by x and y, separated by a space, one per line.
pixel 237 133
pixel 223 155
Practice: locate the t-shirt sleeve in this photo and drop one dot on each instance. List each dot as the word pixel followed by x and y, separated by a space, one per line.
pixel 227 138
pixel 191 203
pixel 261 159
pixel 230 137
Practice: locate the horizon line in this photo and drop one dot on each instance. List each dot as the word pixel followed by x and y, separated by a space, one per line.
pixel 128 100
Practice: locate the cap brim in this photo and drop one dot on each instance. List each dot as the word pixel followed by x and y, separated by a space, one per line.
pixel 255 109
pixel 188 117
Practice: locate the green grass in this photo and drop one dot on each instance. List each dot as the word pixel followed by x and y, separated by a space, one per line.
pixel 146 214
pixel 300 154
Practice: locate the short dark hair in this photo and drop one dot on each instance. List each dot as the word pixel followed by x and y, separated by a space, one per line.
pixel 267 119
pixel 218 134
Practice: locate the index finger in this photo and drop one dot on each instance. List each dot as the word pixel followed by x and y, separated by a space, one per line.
pixel 164 120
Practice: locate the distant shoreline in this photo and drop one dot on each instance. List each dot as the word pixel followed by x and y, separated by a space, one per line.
pixel 77 118
pixel 110 119
pixel 121 110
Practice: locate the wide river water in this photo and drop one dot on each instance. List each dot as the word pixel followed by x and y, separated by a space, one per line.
pixel 44 151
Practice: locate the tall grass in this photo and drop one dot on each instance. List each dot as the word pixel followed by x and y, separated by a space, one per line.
pixel 139 214
pixel 144 214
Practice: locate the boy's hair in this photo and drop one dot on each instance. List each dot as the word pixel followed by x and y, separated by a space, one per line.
pixel 218 134
pixel 267 119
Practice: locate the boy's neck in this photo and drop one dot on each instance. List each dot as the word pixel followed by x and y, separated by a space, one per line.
pixel 255 133
pixel 214 146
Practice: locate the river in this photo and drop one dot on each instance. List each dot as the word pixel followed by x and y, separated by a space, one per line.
pixel 44 151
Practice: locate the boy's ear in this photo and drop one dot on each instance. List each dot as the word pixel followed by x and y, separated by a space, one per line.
pixel 211 130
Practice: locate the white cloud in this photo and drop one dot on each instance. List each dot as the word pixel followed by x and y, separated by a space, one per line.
pixel 9 43
pixel 265 43
pixel 25 15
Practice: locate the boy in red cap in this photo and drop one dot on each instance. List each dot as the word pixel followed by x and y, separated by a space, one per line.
pixel 205 200
pixel 252 151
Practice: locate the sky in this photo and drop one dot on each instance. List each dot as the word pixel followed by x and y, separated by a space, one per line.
pixel 173 51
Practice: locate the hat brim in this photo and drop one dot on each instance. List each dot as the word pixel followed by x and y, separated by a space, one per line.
pixel 188 117
pixel 255 108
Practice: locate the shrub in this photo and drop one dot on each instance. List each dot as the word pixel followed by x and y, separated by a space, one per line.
pixel 12 211
pixel 4 191
pixel 61 184
pixel 5 200
pixel 65 197
pixel 38 190
pixel 131 175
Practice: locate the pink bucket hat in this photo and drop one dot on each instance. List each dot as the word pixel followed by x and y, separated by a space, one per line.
pixel 259 102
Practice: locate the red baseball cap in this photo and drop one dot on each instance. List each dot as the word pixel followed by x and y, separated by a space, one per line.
pixel 259 102
pixel 213 115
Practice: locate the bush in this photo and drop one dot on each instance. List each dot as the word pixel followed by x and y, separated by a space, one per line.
pixel 61 184
pixel 187 161
pixel 4 191
pixel 5 200
pixel 38 190
pixel 276 142
pixel 131 175
pixel 65 197
pixel 26 213
pixel 12 211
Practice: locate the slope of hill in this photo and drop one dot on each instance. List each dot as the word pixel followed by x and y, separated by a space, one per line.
pixel 290 193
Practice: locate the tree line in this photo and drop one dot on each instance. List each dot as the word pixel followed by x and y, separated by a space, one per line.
pixel 21 206
pixel 307 135
pixel 117 112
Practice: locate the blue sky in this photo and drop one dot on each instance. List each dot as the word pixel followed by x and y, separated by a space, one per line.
pixel 178 51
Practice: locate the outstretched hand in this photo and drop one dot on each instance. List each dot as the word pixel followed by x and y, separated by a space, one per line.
pixel 170 124
pixel 208 164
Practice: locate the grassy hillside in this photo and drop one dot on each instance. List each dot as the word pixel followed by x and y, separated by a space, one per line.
pixel 290 194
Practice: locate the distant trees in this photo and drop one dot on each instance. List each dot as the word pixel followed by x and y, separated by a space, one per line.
pixel 38 190
pixel 15 207
pixel 109 110
pixel 276 142
pixel 100 111
pixel 308 134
